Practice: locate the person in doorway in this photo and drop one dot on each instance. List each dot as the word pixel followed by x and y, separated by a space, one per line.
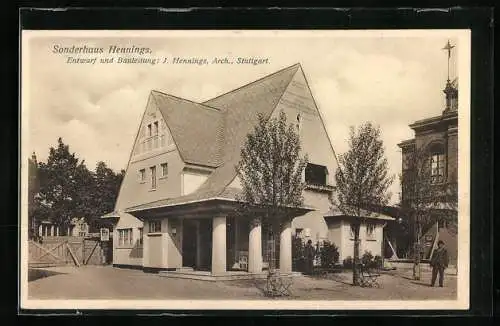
pixel 309 255
pixel 439 262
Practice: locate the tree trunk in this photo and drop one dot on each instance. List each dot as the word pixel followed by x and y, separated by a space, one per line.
pixel 417 272
pixel 355 267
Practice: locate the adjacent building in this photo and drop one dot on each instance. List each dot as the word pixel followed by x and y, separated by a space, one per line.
pixel 436 139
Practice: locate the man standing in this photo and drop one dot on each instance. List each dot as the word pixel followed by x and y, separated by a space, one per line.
pixel 309 253
pixel 439 261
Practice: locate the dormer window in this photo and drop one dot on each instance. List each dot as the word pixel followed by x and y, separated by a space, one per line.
pixel 316 174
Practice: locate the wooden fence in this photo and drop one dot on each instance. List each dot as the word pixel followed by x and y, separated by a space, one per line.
pixel 76 251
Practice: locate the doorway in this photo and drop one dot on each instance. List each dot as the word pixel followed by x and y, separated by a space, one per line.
pixel 189 244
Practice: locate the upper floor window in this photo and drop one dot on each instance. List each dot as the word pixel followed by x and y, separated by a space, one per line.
pixel 437 164
pixel 154 226
pixel 352 230
pixel 150 130
pixel 155 124
pixel 164 169
pixel 316 174
pixel 142 175
pixel 153 177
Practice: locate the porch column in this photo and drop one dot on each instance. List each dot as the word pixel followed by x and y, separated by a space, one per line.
pixel 57 231
pixel 40 230
pixel 219 245
pixel 198 245
pixel 52 230
pixel 255 246
pixel 286 247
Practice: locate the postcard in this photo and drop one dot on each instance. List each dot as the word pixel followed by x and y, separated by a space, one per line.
pixel 245 169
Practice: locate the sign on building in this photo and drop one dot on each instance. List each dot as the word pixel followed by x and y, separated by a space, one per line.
pixel 104 234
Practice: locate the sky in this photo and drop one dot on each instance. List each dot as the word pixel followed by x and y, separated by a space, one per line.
pixel 96 109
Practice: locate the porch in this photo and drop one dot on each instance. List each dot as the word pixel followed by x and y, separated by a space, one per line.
pixel 210 240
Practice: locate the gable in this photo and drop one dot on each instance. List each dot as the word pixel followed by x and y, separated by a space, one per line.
pixel 153 135
pixel 300 107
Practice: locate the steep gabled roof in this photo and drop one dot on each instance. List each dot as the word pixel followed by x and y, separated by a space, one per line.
pixel 212 133
pixel 196 129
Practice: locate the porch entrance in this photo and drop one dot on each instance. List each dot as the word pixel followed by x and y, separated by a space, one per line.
pixel 189 244
pixel 197 244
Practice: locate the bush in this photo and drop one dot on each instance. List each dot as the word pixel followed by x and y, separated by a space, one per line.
pixel 377 262
pixel 367 258
pixel 329 254
pixel 347 263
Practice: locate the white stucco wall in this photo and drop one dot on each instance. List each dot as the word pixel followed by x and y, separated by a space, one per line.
pixel 374 244
pixel 191 181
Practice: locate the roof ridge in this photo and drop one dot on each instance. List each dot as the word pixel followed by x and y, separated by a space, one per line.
pixel 270 114
pixel 296 65
pixel 184 99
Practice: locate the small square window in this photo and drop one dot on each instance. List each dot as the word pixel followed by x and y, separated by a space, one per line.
pixel 154 226
pixel 370 231
pixel 164 169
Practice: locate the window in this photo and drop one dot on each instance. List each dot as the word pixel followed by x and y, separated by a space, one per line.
pixel 155 127
pixel 299 122
pixel 149 130
pixel 316 174
pixel 164 169
pixel 125 237
pixel 153 177
pixel 352 230
pixel 154 226
pixel 437 163
pixel 141 235
pixel 370 231
pixel 142 175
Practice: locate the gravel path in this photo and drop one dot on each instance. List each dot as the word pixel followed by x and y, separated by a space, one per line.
pixel 105 282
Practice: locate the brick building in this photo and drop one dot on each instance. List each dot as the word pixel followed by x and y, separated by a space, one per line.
pixel 435 145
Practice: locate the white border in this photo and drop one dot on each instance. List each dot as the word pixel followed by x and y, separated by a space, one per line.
pixel 462 302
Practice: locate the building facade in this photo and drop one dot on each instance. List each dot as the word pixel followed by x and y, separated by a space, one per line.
pixel 435 146
pixel 177 202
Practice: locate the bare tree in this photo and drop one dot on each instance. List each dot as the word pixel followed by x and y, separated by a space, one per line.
pixel 428 197
pixel 362 180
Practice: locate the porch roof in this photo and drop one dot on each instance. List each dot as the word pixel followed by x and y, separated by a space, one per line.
pixel 334 213
pixel 194 205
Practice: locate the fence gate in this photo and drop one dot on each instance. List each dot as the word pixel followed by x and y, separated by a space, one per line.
pixel 59 251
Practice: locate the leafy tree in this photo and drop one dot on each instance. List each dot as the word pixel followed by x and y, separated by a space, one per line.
pixel 106 185
pixel 425 200
pixel 33 189
pixel 362 180
pixel 62 182
pixel 270 170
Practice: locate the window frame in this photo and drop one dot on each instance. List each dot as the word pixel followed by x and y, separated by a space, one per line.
pixel 140 240
pixel 309 171
pixel 156 229
pixel 125 238
pixel 373 227
pixel 164 170
pixel 152 170
pixel 142 175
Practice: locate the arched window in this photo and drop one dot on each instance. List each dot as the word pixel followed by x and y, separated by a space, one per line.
pixel 438 163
